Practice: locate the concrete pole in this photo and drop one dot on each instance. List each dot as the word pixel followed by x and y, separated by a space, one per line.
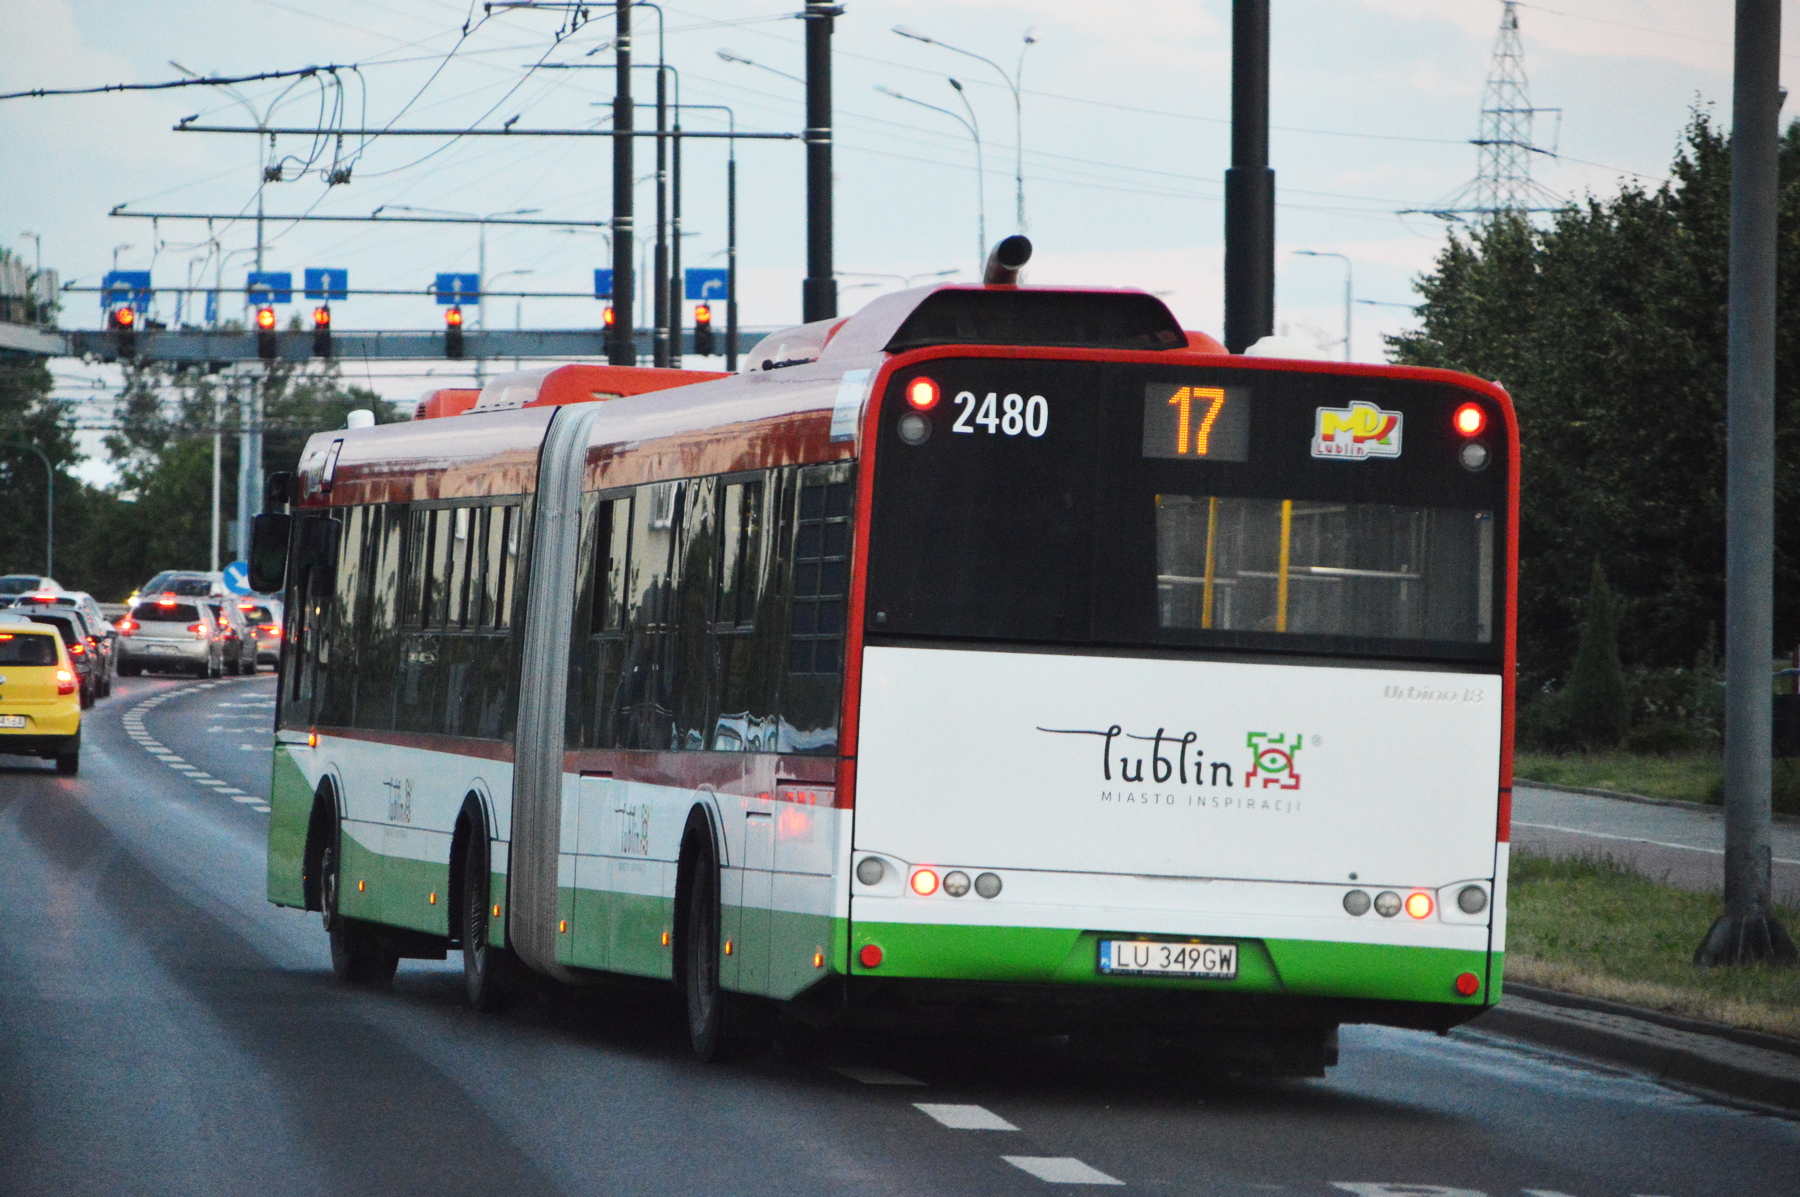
pixel 1747 932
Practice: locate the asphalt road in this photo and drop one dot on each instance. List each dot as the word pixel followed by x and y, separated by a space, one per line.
pixel 164 1030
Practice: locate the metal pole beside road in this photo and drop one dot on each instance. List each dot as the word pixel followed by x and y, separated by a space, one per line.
pixel 1748 932
pixel 818 299
pixel 622 350
pixel 1249 184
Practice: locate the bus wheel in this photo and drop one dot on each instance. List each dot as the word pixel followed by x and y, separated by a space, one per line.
pixel 700 989
pixel 481 964
pixel 355 955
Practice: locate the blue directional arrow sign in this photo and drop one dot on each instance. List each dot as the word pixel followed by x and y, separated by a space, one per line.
pixel 121 287
pixel 269 286
pixel 602 284
pixel 708 284
pixel 237 578
pixel 458 289
pixel 327 284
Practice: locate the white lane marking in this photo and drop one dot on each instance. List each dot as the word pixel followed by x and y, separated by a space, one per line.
pixel 262 809
pixel 1634 839
pixel 132 721
pixel 964 1117
pixel 246 799
pixel 1376 1188
pixel 1062 1170
pixel 876 1076
pixel 212 781
pixel 1542 1193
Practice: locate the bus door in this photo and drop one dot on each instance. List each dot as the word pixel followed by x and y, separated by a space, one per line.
pixel 750 887
pixel 311 589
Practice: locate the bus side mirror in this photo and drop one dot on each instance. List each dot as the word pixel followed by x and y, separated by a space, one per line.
pixel 318 555
pixel 278 489
pixel 269 552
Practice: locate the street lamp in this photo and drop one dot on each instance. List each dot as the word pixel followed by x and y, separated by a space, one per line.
pixel 117 250
pixel 1013 82
pixel 728 56
pixel 1348 290
pixel 480 256
pixel 980 186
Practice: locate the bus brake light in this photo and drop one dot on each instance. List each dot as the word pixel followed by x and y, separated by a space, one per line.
pixel 1418 904
pixel 1469 419
pixel 922 393
pixel 924 883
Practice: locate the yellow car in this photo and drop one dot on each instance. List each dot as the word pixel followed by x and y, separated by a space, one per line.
pixel 40 697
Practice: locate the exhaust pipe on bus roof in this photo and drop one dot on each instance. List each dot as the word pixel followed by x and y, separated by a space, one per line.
pixel 1005 262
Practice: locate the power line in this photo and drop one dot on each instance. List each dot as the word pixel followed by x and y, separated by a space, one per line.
pixel 208 81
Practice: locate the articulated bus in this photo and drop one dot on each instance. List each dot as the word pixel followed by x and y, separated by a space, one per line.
pixel 997 657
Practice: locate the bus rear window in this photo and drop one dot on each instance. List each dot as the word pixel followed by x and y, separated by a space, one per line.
pixel 1376 570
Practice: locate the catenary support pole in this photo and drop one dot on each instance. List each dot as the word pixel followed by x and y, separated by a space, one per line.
pixel 818 300
pixel 659 289
pixel 1249 184
pixel 677 292
pixel 622 351
pixel 731 313
pixel 1747 932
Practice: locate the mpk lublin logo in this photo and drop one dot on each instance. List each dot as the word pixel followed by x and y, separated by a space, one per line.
pixel 1357 432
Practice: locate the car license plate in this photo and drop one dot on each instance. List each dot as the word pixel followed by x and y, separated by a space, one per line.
pixel 12 721
pixel 162 648
pixel 1156 958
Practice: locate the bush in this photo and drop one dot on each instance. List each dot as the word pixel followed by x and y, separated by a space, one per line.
pixel 1665 737
pixel 1784 789
pixel 1599 710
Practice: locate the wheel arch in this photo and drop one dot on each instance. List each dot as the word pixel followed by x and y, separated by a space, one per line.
pixel 322 823
pixel 477 814
pixel 703 824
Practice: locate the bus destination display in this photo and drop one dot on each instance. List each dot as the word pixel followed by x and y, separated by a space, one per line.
pixel 1190 423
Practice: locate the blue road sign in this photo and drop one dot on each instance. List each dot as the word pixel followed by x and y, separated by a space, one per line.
pixel 269 286
pixel 458 289
pixel 121 287
pixel 212 307
pixel 602 284
pixel 237 578
pixel 327 284
pixel 708 284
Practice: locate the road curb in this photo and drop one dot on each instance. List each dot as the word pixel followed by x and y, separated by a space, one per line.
pixel 1744 1065
pixel 1642 799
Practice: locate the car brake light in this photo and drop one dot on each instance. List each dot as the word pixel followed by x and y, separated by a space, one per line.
pixel 270 630
pixel 65 682
pixel 75 650
pixel 126 627
pixel 198 629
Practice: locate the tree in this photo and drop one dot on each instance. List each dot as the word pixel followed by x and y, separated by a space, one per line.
pixel 1597 707
pixel 1607 327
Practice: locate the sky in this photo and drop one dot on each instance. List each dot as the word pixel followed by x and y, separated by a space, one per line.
pixel 1124 112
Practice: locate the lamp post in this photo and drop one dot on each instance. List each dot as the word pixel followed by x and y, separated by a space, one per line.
pixel 481 284
pixel 1014 83
pixel 975 132
pixel 1348 288
pixel 49 503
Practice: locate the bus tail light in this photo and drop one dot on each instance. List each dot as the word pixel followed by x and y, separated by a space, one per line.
pixel 1418 904
pixel 1468 984
pixel 870 956
pixel 924 883
pixel 923 393
pixel 65 682
pixel 1469 419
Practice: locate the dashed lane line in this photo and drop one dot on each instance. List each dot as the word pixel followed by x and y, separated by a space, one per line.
pixel 133 723
pixel 1061 1170
pixel 964 1117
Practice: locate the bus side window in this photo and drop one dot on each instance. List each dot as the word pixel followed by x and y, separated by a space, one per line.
pixel 612 546
pixel 818 556
pixel 638 709
pixel 379 662
pixel 740 556
pixel 416 568
pixel 456 590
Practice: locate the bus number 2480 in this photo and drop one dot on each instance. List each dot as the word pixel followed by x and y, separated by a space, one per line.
pixel 1010 415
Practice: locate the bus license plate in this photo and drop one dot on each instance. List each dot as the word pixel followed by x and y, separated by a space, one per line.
pixel 12 721
pixel 1142 957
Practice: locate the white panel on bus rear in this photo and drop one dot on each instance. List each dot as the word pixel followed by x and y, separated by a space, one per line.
pixel 1178 768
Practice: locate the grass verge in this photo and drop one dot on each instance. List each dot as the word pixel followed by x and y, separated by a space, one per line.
pixel 1690 777
pixel 1589 925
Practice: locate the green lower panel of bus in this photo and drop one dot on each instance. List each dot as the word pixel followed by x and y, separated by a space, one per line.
pixel 290 809
pixel 1301 967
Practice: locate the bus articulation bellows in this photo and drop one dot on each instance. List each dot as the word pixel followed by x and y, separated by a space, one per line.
pixel 997 656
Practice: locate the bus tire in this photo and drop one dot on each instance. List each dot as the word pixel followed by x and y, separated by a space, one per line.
pixel 481 963
pixel 356 956
pixel 697 908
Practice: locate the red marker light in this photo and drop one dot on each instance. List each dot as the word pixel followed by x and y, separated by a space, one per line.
pixel 922 393
pixel 924 883
pixel 453 318
pixel 1469 419
pixel 1468 984
pixel 265 318
pixel 870 956
pixel 1418 904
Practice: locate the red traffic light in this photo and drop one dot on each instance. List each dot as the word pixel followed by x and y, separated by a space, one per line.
pixel 607 317
pixel 321 317
pixel 703 314
pixel 124 317
pixel 453 318
pixel 265 318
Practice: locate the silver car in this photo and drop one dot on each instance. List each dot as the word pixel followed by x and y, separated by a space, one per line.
pixel 173 634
